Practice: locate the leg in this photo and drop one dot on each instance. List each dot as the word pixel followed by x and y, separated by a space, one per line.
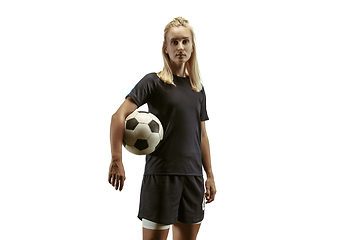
pixel 149 234
pixel 154 231
pixel 182 231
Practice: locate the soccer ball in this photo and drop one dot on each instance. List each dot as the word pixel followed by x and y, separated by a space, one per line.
pixel 143 132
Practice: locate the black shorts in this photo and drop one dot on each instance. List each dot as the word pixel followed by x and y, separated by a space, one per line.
pixel 168 199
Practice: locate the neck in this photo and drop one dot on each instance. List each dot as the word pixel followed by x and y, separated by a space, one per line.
pixel 178 70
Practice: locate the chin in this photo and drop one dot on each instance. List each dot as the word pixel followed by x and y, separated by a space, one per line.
pixel 179 61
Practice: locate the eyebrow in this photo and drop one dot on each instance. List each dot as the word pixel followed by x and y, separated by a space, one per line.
pixel 172 39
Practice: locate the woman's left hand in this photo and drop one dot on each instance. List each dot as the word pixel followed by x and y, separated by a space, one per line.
pixel 210 190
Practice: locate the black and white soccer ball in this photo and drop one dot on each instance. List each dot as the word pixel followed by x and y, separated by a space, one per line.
pixel 143 133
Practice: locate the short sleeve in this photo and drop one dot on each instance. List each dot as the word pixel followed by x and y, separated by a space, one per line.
pixel 203 114
pixel 143 89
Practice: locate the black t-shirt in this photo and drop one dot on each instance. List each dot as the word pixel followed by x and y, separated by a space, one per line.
pixel 180 110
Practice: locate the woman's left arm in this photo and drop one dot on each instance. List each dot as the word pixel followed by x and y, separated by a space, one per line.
pixel 206 160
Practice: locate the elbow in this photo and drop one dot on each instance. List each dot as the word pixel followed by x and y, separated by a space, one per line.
pixel 114 116
pixel 117 117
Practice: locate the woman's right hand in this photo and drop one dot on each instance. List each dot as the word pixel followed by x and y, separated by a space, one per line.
pixel 117 174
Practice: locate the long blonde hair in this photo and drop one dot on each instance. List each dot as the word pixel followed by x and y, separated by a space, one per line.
pixel 191 66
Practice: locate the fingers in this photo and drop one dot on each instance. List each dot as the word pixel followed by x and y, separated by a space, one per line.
pixel 207 193
pixel 210 193
pixel 109 178
pixel 116 175
pixel 112 179
pixel 119 182
pixel 122 180
pixel 116 181
pixel 210 196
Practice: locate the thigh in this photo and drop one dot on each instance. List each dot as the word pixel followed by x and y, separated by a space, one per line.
pixel 182 231
pixel 149 234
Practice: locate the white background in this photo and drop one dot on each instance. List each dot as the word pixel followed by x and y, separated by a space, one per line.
pixel 282 84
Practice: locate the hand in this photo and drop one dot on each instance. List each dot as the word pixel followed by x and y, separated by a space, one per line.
pixel 210 190
pixel 117 175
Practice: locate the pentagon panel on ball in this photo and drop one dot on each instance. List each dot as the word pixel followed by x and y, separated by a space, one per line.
pixel 143 133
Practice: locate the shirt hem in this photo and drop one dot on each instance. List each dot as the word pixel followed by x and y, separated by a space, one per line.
pixel 177 174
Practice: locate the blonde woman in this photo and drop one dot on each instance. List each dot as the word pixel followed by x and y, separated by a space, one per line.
pixel 172 191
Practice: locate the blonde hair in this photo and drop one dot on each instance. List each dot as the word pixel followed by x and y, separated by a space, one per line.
pixel 191 66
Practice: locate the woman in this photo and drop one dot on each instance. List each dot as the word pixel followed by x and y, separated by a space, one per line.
pixel 173 189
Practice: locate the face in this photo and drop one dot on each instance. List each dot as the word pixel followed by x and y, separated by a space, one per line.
pixel 178 45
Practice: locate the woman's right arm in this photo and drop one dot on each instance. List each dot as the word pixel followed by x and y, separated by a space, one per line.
pixel 116 169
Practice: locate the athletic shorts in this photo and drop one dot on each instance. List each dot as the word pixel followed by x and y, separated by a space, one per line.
pixel 169 199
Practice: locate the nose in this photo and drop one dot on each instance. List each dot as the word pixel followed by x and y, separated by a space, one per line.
pixel 180 46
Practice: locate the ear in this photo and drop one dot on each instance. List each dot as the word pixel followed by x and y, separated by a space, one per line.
pixel 165 50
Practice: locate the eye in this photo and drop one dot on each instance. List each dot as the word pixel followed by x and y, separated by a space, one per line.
pixel 175 42
pixel 185 41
